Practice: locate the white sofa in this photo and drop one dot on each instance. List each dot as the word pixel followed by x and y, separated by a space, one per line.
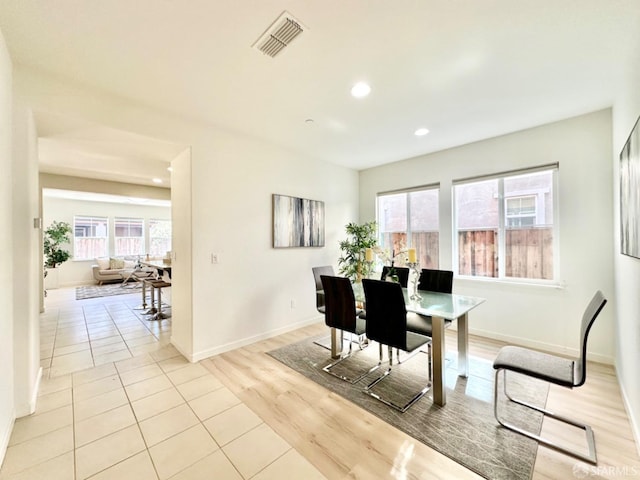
pixel 114 269
pixel 107 270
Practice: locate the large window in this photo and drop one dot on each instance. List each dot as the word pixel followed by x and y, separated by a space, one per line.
pixel 129 236
pixel 90 237
pixel 505 225
pixel 159 237
pixel 410 219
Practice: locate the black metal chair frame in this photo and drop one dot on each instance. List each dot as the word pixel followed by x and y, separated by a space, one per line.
pixel 341 315
pixel 436 280
pixel 387 325
pixel 433 281
pixel 317 273
pixel 561 371
pixel 324 342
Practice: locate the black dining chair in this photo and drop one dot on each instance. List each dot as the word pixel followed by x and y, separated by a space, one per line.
pixel 387 324
pixel 566 372
pixel 401 272
pixel 436 280
pixel 341 315
pixel 440 281
pixel 317 273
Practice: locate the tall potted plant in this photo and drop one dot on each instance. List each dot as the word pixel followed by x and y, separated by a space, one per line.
pixel 353 263
pixel 57 234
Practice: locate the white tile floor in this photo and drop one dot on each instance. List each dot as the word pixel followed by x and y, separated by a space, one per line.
pixel 75 335
pixel 135 409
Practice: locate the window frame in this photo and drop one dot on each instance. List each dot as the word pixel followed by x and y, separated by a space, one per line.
pixel 150 222
pixel 129 221
pixel 91 218
pixel 503 226
pixel 409 230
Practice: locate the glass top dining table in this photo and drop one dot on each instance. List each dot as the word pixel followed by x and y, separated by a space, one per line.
pixel 440 307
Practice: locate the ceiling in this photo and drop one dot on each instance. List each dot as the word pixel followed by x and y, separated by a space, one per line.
pixel 465 69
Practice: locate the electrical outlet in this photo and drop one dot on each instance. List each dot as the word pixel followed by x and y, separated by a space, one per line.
pixel 214 258
pixel 293 304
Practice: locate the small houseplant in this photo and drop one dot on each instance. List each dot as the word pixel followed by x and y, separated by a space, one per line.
pixel 56 235
pixel 352 263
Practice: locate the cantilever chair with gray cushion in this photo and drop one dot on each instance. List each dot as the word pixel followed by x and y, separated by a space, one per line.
pixel 341 315
pixel 401 272
pixel 562 371
pixel 387 324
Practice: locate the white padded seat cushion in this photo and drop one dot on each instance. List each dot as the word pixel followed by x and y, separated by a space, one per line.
pixel 536 364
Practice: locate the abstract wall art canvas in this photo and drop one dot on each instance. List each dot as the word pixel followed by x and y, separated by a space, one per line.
pixel 630 195
pixel 297 222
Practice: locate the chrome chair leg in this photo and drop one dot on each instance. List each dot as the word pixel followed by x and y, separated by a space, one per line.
pixel 143 306
pixel 590 457
pixel 153 310
pixel 160 315
pixel 342 358
pixel 414 399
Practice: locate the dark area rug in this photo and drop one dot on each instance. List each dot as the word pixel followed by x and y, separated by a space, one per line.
pixel 107 290
pixel 464 430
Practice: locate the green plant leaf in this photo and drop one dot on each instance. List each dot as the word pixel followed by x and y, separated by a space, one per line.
pixel 57 234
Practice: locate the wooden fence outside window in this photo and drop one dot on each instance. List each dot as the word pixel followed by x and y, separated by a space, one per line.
pixel 529 253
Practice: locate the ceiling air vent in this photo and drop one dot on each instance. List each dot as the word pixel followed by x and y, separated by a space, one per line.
pixel 280 34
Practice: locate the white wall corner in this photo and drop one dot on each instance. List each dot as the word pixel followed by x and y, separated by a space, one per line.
pixel 29 407
pixel 183 351
pixel 5 435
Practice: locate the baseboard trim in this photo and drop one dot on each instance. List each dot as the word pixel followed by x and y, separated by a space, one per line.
pixel 635 430
pixel 5 435
pixel 249 340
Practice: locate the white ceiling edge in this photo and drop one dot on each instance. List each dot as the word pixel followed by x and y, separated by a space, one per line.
pixel 103 197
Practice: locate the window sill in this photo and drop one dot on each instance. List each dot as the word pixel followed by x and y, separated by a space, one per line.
pixel 514 283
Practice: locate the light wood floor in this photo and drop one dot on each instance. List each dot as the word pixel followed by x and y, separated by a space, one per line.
pixel 343 441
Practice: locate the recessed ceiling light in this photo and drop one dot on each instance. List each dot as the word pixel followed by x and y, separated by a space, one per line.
pixel 157 180
pixel 309 121
pixel 421 132
pixel 360 90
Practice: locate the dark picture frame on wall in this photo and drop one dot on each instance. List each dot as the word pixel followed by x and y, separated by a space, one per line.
pixel 630 194
pixel 297 222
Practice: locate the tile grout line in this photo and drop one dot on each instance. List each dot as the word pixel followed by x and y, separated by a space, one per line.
pixel 144 440
pixel 220 447
pixel 114 316
pixel 73 427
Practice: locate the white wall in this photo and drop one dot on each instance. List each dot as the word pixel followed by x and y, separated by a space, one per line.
pixel 75 272
pixel 7 405
pixel 625 113
pixel 542 317
pixel 27 261
pixel 182 255
pixel 248 294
